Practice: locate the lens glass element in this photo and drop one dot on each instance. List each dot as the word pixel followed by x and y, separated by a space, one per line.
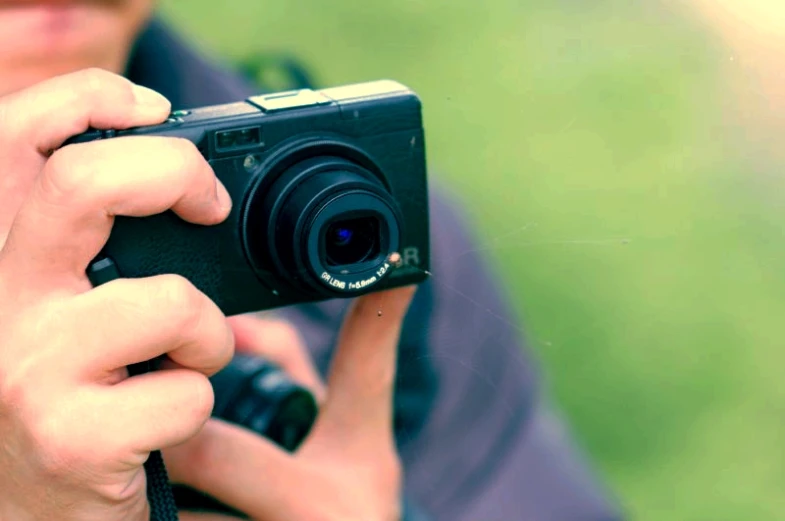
pixel 352 241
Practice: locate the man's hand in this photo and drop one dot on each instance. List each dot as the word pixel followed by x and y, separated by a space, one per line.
pixel 75 430
pixel 348 467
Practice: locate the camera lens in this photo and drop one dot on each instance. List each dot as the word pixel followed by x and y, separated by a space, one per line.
pixel 259 396
pixel 325 225
pixel 352 241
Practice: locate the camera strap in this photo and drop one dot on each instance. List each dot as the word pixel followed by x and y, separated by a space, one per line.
pixel 159 491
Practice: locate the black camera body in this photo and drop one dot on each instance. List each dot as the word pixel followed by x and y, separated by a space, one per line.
pixel 326 186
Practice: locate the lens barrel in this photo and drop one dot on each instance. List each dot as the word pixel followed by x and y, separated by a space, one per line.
pixel 326 225
pixel 258 395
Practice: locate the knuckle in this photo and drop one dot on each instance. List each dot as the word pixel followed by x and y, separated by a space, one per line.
pixel 56 454
pixel 188 159
pixel 97 84
pixel 22 370
pixel 94 79
pixel 129 494
pixel 14 389
pixel 14 393
pixel 181 299
pixel 96 89
pixel 184 151
pixel 184 148
pixel 14 110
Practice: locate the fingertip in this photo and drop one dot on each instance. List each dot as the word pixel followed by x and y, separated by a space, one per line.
pixel 150 106
pixel 146 97
pixel 223 197
pixel 222 205
pixel 206 201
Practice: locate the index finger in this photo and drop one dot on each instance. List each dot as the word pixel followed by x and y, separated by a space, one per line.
pixel 50 112
pixel 69 213
pixel 362 377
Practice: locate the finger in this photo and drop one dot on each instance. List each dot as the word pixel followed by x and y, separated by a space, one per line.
pixel 127 321
pixel 154 410
pixel 68 215
pixel 359 404
pixel 131 419
pixel 238 468
pixel 45 115
pixel 280 343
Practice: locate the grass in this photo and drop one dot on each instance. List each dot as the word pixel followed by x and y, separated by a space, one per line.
pixel 589 142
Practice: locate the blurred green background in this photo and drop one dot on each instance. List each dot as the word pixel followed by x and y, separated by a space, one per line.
pixel 590 143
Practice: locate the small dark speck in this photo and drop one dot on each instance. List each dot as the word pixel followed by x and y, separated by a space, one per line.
pixel 379 313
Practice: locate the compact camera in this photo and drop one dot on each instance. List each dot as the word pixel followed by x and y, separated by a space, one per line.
pixel 327 185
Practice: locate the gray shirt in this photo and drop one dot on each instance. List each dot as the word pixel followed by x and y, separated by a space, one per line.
pixel 478 441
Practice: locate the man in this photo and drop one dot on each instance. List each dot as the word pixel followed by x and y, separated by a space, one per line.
pixel 471 429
